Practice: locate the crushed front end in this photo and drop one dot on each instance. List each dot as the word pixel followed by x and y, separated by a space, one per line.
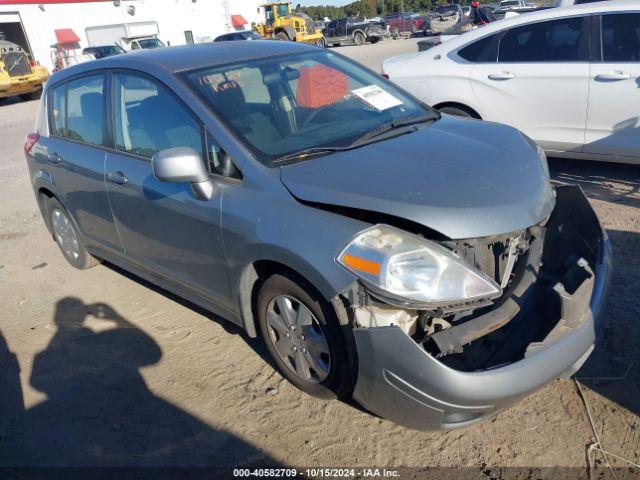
pixel 454 365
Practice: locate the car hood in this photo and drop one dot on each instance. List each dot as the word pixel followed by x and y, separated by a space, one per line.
pixel 461 178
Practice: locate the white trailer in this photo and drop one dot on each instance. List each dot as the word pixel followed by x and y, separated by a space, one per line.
pixel 130 36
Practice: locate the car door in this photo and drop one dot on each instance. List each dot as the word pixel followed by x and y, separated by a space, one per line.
pixel 613 118
pixel 330 32
pixel 74 155
pixel 539 83
pixel 164 228
pixel 341 29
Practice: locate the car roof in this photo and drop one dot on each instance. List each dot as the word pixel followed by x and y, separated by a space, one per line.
pixel 607 6
pixel 188 57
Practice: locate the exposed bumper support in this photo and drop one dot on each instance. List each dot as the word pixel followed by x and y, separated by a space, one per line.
pixel 400 381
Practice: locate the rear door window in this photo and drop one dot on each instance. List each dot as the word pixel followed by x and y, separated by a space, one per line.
pixel 149 118
pixel 621 38
pixel 545 42
pixel 85 110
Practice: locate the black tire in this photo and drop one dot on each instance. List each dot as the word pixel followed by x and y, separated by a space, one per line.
pixel 31 95
pixel 336 44
pixel 374 39
pixel 322 43
pixel 341 378
pixel 84 259
pixel 282 36
pixel 359 39
pixel 459 112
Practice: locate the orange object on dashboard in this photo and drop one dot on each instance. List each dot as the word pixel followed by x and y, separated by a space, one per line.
pixel 320 85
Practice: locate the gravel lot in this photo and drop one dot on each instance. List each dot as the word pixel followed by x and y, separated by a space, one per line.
pixel 160 383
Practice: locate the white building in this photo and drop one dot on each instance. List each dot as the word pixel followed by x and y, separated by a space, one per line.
pixel 32 24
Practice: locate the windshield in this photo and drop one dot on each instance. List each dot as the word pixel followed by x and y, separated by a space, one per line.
pixel 509 3
pixel 150 43
pixel 286 104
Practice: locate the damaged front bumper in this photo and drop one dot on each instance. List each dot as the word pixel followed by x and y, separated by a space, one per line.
pixel 556 313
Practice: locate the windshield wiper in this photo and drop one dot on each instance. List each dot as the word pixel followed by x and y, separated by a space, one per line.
pixel 365 139
pixel 307 152
pixel 387 127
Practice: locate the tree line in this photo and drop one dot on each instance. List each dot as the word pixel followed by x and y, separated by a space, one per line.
pixel 372 8
pixel 380 8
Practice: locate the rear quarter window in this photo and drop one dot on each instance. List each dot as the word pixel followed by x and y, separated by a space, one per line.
pixel 484 50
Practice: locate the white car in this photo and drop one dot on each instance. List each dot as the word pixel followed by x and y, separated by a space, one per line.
pixel 569 78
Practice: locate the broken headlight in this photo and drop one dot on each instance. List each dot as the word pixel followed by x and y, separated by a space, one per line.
pixel 412 270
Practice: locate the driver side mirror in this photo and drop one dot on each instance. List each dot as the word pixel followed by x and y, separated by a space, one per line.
pixel 183 164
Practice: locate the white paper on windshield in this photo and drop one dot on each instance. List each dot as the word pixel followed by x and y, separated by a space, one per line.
pixel 376 97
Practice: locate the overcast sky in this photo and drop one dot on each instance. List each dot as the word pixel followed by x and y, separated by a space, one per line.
pixel 307 3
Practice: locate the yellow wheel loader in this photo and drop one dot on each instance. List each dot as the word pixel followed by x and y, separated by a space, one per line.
pixel 282 23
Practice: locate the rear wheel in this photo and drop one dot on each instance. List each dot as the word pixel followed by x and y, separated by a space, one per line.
pixel 282 36
pixel 67 236
pixel 359 39
pixel 302 333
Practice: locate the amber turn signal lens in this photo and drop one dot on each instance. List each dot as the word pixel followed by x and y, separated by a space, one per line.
pixel 367 266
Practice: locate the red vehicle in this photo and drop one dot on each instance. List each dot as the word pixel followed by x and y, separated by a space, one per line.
pixel 407 23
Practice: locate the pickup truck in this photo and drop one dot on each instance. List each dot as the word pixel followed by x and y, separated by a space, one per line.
pixel 449 20
pixel 407 23
pixel 353 31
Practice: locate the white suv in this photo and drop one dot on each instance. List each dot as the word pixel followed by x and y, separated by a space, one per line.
pixel 567 77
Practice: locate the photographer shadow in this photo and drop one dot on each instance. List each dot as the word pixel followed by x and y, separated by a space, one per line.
pixel 99 410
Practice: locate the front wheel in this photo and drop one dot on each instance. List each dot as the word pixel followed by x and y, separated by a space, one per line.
pixel 282 36
pixel 359 39
pixel 302 333
pixel 321 43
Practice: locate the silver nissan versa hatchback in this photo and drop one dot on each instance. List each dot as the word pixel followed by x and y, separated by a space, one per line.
pixel 421 263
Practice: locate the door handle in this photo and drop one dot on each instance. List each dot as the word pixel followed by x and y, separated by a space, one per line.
pixel 117 177
pixel 54 158
pixel 500 76
pixel 613 76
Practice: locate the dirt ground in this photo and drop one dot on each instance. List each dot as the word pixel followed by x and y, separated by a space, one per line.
pixel 157 382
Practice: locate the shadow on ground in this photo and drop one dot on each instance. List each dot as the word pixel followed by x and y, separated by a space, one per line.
pixel 99 411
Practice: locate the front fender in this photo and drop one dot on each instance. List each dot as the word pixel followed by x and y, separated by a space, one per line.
pixel 264 226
